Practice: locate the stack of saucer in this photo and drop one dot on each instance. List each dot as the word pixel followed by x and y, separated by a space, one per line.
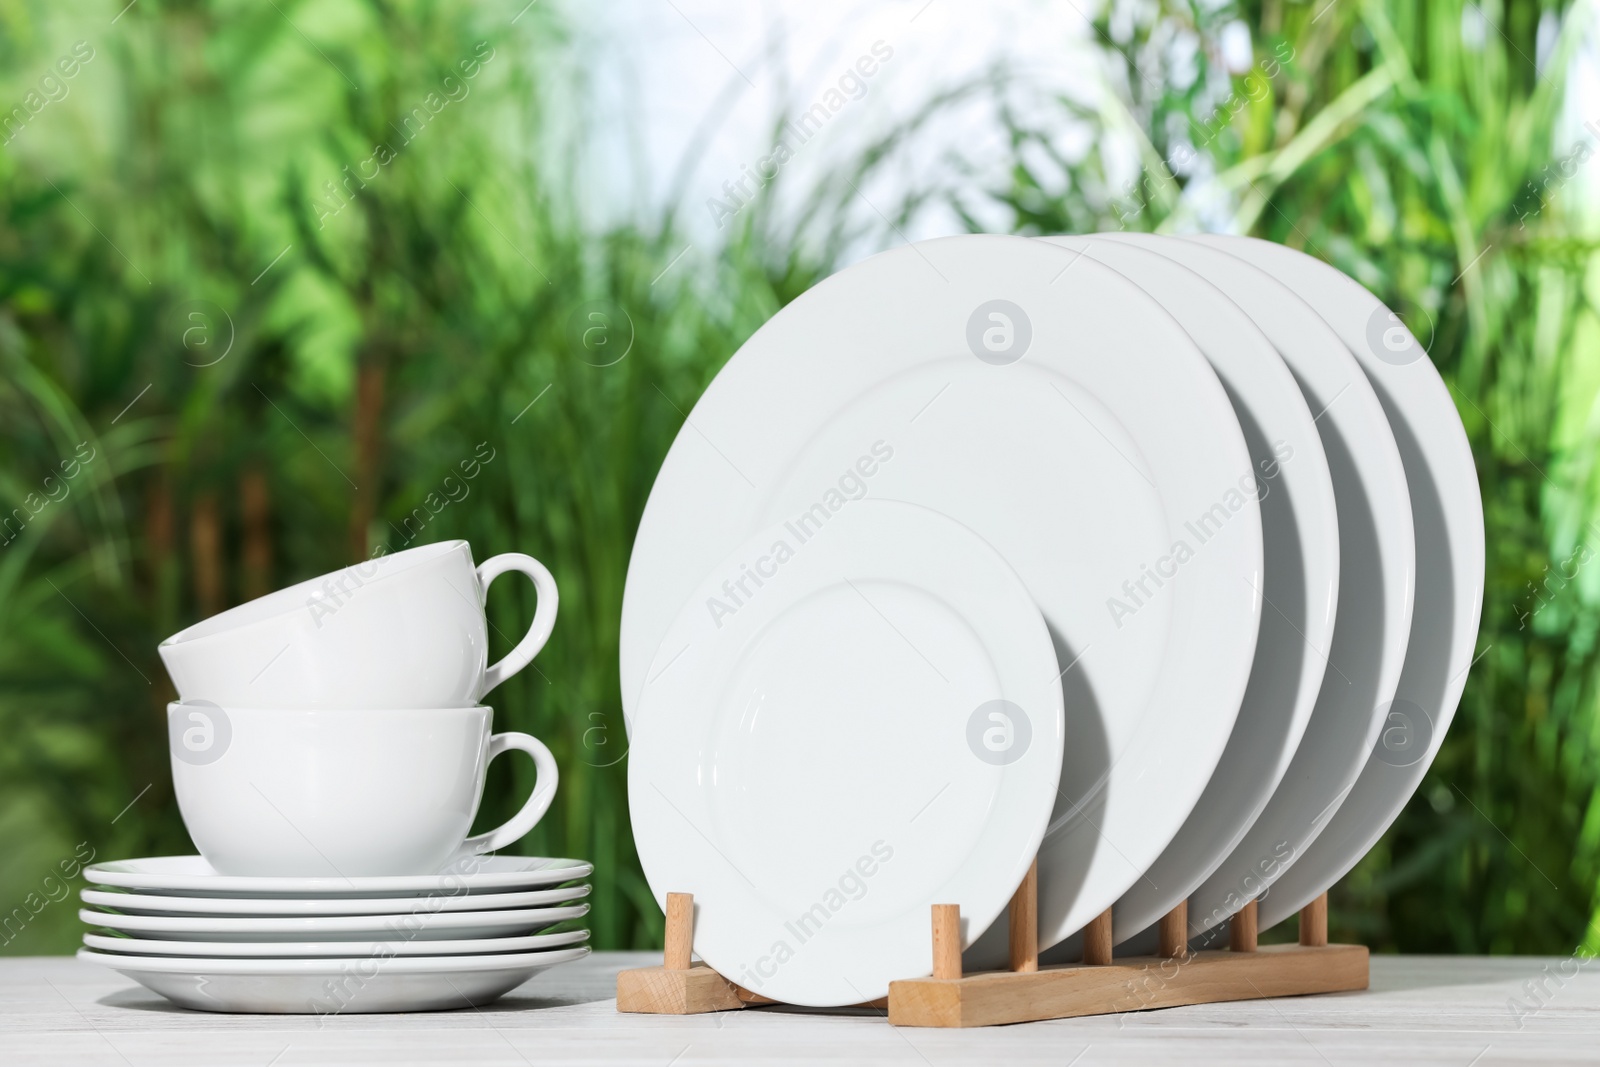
pixel 328 751
pixel 335 945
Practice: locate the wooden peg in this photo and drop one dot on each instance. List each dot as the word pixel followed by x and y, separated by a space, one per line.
pixel 680 931
pixel 1242 929
pixel 1025 923
pixel 947 941
pixel 1314 923
pixel 1173 932
pixel 1097 940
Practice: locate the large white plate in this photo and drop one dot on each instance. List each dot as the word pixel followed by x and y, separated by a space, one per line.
pixel 193 876
pixel 1300 529
pixel 1080 452
pixel 1447 508
pixel 151 904
pixel 1377 560
pixel 334 986
pixel 843 728
pixel 476 946
pixel 463 924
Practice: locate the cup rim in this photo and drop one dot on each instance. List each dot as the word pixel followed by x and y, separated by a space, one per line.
pixel 173 706
pixel 264 609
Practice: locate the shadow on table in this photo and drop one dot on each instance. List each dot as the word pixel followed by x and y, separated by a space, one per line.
pixel 139 999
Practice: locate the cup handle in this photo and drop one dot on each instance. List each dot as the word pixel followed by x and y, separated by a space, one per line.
pixel 544 615
pixel 544 791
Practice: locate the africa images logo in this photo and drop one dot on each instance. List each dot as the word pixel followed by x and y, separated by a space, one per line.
pixel 999 332
pixel 199 732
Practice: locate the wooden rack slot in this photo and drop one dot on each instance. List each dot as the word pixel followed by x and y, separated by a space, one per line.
pixel 1098 986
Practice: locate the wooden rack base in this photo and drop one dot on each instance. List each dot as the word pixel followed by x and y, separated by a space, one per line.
pixel 1028 992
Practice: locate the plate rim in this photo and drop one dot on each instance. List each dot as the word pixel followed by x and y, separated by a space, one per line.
pixel 288 924
pixel 350 949
pixel 1426 389
pixel 1265 865
pixel 328 907
pixel 1315 490
pixel 395 966
pixel 106 873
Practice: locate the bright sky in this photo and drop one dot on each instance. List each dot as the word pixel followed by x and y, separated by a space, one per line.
pixel 694 84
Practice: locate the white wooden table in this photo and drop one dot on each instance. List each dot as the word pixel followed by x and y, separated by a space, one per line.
pixel 1456 1011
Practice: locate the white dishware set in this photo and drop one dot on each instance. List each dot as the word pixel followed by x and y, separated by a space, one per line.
pixel 329 748
pixel 1157 561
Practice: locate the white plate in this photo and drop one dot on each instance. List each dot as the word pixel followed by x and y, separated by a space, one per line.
pixel 149 904
pixel 1080 462
pixel 1448 512
pixel 1377 560
pixel 1300 529
pixel 463 924
pixel 477 946
pixel 334 986
pixel 193 876
pixel 874 727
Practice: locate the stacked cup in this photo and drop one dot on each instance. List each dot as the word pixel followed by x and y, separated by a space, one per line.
pixel 329 744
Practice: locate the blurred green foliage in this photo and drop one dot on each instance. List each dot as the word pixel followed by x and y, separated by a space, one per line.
pixel 276 277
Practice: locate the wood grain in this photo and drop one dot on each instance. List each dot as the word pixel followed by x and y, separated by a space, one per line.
pixel 1421 1011
pixel 680 931
pixel 1173 932
pixel 947 941
pixel 1243 929
pixel 676 991
pixel 1134 984
pixel 1097 940
pixel 1314 922
pixel 1024 913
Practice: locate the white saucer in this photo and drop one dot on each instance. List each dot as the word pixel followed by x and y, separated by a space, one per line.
pixel 150 904
pixel 876 727
pixel 193 876
pixel 477 946
pixel 1300 531
pixel 464 924
pixel 1079 451
pixel 334 986
pixel 1447 508
pixel 1377 563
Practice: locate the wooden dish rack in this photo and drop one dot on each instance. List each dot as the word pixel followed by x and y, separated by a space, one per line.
pixel 1100 985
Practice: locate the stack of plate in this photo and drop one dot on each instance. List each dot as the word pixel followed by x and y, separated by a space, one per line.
pixel 332 945
pixel 1158 560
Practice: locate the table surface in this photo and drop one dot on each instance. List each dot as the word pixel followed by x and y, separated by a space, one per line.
pixel 1463 1011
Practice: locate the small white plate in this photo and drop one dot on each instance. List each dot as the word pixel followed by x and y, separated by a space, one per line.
pixel 477 946
pixel 875 726
pixel 1300 537
pixel 334 986
pixel 462 924
pixel 193 876
pixel 1448 511
pixel 1377 566
pixel 150 904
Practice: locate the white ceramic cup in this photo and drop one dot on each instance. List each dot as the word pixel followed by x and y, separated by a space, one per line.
pixel 290 792
pixel 399 631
